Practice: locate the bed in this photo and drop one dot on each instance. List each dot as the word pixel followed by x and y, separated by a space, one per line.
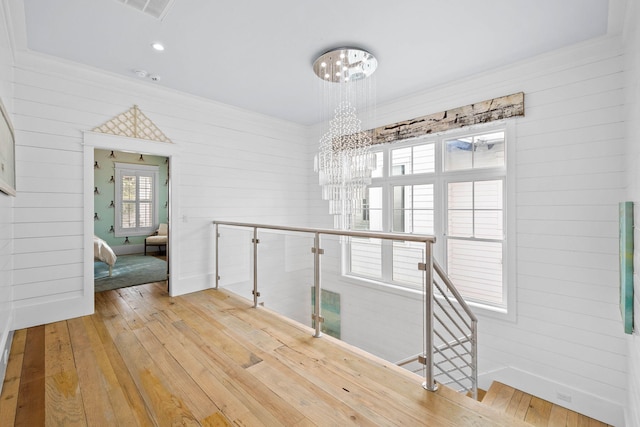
pixel 103 252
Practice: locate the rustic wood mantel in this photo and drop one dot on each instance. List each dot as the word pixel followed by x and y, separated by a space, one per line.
pixel 481 112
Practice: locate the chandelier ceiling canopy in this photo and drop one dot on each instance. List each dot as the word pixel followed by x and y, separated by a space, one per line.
pixel 345 64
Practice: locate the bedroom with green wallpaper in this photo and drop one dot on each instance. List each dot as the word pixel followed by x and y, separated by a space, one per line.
pixel 105 196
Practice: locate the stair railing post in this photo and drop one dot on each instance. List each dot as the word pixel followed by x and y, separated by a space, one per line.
pixel 255 242
pixel 217 258
pixel 474 358
pixel 430 383
pixel 317 317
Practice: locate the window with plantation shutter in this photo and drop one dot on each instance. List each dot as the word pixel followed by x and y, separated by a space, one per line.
pixel 452 186
pixel 136 199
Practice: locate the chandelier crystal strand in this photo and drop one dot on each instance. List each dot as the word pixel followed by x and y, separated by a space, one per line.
pixel 344 162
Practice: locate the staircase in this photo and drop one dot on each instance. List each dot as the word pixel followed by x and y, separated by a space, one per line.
pixel 533 410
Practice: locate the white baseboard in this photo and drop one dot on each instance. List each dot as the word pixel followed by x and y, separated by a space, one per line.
pixel 563 395
pixel 41 311
pixel 128 249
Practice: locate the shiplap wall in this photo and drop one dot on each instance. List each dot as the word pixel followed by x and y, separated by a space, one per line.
pixel 567 334
pixel 6 202
pixel 569 180
pixel 632 83
pixel 233 164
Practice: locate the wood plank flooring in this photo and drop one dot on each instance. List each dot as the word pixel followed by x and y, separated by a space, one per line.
pixel 533 410
pixel 210 359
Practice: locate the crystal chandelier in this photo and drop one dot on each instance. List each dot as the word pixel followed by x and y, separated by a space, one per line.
pixel 344 162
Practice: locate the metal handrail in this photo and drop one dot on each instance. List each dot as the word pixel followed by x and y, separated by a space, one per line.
pixel 429 267
pixel 351 233
pixel 451 287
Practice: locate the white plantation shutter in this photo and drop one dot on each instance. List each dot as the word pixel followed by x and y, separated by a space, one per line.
pixel 145 201
pixel 136 199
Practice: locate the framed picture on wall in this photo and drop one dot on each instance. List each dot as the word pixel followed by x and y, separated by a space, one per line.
pixel 626 265
pixel 7 154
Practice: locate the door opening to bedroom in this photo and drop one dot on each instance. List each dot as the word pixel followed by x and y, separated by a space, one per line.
pixel 131 219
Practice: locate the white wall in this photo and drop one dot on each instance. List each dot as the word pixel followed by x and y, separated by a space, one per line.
pixel 567 337
pixel 632 83
pixel 232 164
pixel 6 202
pixel 570 161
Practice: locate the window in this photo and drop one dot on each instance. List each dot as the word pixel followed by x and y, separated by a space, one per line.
pixel 453 187
pixel 366 256
pixel 474 238
pixel 413 208
pixel 413 160
pixel 136 199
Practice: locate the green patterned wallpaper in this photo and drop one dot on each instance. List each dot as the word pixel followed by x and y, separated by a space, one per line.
pixel 102 180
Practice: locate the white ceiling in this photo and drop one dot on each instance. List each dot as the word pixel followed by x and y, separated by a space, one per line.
pixel 257 54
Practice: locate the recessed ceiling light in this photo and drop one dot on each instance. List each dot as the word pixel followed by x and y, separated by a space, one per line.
pixel 141 73
pixel 158 46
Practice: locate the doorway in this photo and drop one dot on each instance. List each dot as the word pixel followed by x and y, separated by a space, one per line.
pixel 131 218
pixel 96 141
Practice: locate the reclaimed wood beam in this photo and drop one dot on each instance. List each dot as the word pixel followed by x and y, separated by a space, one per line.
pixel 481 112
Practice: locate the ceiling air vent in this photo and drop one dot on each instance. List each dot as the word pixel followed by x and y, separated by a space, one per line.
pixel 156 8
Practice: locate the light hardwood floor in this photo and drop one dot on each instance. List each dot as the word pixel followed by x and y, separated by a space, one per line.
pixel 534 410
pixel 208 358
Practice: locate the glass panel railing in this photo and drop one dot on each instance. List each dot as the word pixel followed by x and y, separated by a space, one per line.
pixel 381 318
pixel 235 260
pixel 409 318
pixel 285 273
pixel 331 287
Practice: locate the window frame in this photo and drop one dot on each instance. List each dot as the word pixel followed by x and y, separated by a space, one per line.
pixel 440 179
pixel 128 169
